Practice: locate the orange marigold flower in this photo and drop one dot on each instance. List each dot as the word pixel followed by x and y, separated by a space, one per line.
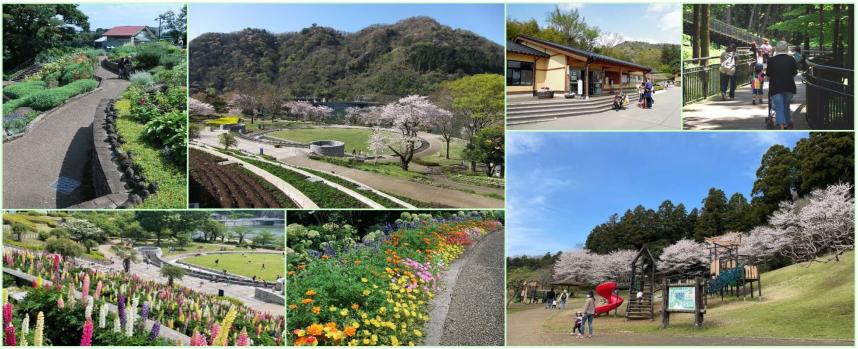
pixel 355 306
pixel 301 267
pixel 306 301
pixel 310 293
pixel 293 306
pixel 315 329
pixel 357 262
pixel 350 331
pixel 326 257
pixel 291 272
pixel 316 310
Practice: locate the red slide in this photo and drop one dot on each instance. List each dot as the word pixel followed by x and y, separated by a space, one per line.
pixel 606 290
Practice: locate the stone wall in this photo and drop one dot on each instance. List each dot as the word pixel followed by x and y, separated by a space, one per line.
pixel 328 148
pixel 268 296
pixel 109 189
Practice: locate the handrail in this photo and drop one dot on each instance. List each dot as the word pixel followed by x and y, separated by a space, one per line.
pixel 830 96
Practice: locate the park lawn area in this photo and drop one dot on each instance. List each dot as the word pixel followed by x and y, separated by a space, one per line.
pixel 457 146
pixel 385 168
pixel 200 247
pixel 356 139
pixel 799 302
pixel 172 181
pixel 247 265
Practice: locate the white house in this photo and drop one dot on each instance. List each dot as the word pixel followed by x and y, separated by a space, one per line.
pixel 122 35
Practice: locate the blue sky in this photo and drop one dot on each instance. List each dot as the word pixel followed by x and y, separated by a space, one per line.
pixel 112 15
pixel 654 23
pixel 561 185
pixel 486 20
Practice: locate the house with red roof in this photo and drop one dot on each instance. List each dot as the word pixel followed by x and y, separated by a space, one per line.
pixel 124 35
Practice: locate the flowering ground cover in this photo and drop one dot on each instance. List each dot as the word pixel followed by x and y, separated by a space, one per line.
pixel 73 310
pixel 373 288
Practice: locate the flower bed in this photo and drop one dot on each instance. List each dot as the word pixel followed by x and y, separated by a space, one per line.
pixel 205 318
pixel 346 289
pixel 226 120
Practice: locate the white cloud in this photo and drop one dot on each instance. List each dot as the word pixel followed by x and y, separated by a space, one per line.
pixel 668 18
pixel 523 143
pixel 570 5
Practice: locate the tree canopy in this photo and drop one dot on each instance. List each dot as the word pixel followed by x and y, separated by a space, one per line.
pixel 29 29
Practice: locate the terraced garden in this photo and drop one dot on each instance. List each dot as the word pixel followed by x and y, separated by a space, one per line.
pixel 230 186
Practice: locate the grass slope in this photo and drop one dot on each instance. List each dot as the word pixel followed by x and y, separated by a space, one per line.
pixel 172 181
pixel 799 302
pixel 247 265
pixel 356 139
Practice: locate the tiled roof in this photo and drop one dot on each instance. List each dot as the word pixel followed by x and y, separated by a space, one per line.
pixel 591 55
pixel 512 46
pixel 126 30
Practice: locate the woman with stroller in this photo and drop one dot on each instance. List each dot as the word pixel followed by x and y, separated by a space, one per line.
pixel 781 72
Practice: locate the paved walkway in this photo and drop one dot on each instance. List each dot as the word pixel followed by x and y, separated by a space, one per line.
pixel 476 312
pixel 55 153
pixel 388 184
pixel 150 272
pixel 530 327
pixel 740 113
pixel 664 115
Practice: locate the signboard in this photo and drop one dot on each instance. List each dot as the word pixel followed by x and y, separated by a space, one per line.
pixel 681 298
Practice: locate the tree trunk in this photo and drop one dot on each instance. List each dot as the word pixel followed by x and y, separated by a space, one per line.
pixel 806 32
pixel 728 14
pixel 766 20
pixel 448 148
pixel 850 26
pixel 821 26
pixel 704 32
pixel 695 31
pixel 838 58
pixel 751 17
pixel 158 239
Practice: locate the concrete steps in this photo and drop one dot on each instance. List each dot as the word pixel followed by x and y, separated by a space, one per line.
pixel 542 110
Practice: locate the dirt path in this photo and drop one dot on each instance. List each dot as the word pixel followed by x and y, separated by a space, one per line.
pixel 47 168
pixel 528 327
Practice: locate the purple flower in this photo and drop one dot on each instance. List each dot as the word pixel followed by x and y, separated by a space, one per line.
pixel 154 333
pixel 144 313
pixel 121 309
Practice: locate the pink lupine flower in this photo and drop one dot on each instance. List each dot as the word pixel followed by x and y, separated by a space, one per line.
pixel 9 336
pixel 198 340
pixel 7 314
pixel 84 294
pixel 243 340
pixel 215 330
pixel 56 263
pixel 86 339
pixel 98 288
pixel 60 303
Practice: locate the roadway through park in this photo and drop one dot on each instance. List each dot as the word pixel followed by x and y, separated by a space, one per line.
pixel 739 113
pixel 388 184
pixel 150 272
pixel 664 115
pixel 534 325
pixel 48 167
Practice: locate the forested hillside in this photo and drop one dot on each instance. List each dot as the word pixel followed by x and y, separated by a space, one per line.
pixel 378 63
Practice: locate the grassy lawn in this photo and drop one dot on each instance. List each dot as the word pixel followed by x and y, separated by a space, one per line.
pixel 799 302
pixel 388 169
pixel 356 139
pixel 456 148
pixel 200 247
pixel 172 181
pixel 247 265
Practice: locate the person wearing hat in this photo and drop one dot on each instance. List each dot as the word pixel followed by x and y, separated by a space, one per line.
pixel 589 311
pixel 781 72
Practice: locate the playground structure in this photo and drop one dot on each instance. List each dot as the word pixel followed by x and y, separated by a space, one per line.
pixel 606 291
pixel 642 279
pixel 731 273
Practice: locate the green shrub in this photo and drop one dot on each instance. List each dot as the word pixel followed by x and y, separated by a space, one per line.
pixel 426 163
pixel 149 56
pixel 169 131
pixel 122 51
pixel 76 71
pixel 81 86
pixel 171 61
pixel 142 79
pixel 10 106
pixel 23 89
pixel 47 99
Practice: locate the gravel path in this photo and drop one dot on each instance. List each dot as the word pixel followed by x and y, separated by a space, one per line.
pixel 57 148
pixel 476 313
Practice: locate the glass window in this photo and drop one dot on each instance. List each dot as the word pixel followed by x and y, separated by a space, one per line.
pixel 519 73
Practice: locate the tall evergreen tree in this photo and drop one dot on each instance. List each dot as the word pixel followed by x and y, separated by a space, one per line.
pixel 776 177
pixel 712 216
pixel 825 158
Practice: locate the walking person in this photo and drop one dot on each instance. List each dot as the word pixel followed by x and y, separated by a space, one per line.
pixel 549 299
pixel 781 72
pixel 767 51
pixel 648 89
pixel 563 297
pixel 589 311
pixel 728 72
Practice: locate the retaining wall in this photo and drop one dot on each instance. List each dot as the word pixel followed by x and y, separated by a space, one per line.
pixel 109 189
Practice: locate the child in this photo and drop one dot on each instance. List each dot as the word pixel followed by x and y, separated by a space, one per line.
pixel 618 102
pixel 554 304
pixel 757 84
pixel 579 320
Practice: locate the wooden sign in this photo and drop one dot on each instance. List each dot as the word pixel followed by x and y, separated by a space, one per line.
pixel 683 298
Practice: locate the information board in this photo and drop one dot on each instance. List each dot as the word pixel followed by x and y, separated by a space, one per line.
pixel 681 298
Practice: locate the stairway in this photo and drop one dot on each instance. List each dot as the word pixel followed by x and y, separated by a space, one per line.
pixel 23 73
pixel 644 309
pixel 550 109
pixel 725 278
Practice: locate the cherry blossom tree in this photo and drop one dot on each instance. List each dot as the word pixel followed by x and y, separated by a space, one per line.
pixel 444 124
pixel 576 266
pixel 407 115
pixel 377 142
pixel 613 265
pixel 353 115
pixel 684 258
pixel 762 242
pixel 820 229
pixel 299 109
pixel 196 107
pixel 319 113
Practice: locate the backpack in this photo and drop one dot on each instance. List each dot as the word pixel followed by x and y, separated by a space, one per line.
pixel 728 65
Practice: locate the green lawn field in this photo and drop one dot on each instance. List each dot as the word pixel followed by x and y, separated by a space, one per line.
pixel 356 139
pixel 248 265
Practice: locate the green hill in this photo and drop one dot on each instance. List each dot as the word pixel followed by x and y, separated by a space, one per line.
pixel 664 58
pixel 378 63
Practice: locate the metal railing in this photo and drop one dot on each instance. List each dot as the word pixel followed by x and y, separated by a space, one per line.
pixel 830 96
pixel 739 34
pixel 701 82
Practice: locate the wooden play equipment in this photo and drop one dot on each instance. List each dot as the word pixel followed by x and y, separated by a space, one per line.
pixel 642 278
pixel 729 272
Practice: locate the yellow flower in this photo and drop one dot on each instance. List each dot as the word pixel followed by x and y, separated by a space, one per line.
pixel 310 293
pixel 344 312
pixel 366 292
pixel 417 333
pixel 394 341
pixel 364 280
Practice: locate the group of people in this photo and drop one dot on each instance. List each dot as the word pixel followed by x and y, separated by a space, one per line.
pixel 125 67
pixel 645 99
pixel 554 302
pixel 773 63
pixel 582 319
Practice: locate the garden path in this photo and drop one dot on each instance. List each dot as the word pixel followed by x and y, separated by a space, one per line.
pixel 47 167
pixel 739 113
pixel 388 184
pixel 150 272
pixel 531 327
pixel 476 308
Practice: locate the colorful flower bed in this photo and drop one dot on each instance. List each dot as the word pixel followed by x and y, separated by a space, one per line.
pixel 207 319
pixel 226 120
pixel 346 289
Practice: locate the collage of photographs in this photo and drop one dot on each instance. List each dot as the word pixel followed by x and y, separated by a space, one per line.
pixel 359 174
